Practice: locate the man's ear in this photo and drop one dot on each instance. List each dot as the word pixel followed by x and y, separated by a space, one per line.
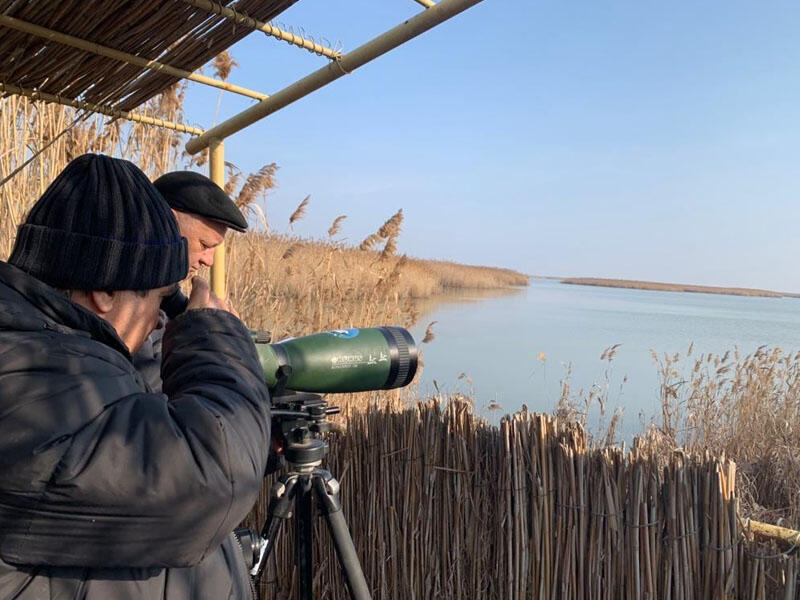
pixel 103 301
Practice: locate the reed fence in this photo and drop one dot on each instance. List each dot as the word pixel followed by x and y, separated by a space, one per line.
pixel 443 505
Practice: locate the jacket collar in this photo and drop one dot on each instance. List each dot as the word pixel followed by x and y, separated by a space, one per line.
pixel 48 308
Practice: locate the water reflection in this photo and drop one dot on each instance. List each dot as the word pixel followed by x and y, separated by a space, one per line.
pixel 427 306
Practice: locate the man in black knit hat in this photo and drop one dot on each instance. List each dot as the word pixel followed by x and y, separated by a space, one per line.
pixel 108 490
pixel 204 213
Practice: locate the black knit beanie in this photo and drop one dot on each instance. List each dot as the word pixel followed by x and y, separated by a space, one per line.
pixel 101 225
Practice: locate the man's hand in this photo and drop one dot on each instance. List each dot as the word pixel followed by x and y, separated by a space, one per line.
pixel 203 297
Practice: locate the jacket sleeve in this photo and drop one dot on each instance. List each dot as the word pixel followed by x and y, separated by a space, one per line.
pixel 159 480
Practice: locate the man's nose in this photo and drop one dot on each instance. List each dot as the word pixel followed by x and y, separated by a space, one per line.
pixel 207 257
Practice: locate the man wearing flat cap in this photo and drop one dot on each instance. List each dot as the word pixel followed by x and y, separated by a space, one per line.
pixel 108 490
pixel 204 212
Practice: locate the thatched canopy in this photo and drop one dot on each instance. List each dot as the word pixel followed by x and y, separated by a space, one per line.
pixel 171 31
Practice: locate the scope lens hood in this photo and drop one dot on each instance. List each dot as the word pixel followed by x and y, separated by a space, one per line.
pixel 403 355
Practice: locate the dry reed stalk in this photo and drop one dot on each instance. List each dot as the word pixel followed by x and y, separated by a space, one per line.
pixel 300 211
pixel 336 225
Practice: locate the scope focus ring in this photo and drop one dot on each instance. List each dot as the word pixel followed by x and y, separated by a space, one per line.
pixel 403 354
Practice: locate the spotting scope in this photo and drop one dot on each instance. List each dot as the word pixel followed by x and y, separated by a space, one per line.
pixel 342 360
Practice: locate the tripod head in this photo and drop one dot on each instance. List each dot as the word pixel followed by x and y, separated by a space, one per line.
pixel 299 419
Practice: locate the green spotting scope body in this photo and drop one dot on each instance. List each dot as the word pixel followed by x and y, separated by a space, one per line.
pixel 342 360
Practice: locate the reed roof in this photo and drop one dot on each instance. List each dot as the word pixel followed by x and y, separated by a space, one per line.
pixel 170 31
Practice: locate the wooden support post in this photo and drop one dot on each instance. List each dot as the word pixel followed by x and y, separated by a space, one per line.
pixel 216 164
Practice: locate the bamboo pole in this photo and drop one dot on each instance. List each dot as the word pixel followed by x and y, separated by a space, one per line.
pixel 154 65
pixel 97 108
pixel 248 21
pixel 791 581
pixel 786 538
pixel 216 165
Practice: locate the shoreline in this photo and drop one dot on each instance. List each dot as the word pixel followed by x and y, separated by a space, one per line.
pixel 674 287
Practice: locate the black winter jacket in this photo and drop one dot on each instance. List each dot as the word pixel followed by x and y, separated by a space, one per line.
pixel 107 490
pixel 147 359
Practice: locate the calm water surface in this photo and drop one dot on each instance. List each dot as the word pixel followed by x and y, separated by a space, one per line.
pixel 497 342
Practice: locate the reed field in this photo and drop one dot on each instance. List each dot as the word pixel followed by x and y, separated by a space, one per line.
pixel 743 407
pixel 317 285
pixel 442 504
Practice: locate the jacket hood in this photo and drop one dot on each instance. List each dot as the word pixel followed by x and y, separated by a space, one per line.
pixel 27 304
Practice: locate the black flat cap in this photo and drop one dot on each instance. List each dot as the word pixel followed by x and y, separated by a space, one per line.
pixel 196 194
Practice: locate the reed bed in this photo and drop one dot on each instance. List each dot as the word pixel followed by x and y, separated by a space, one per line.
pixel 746 407
pixel 454 276
pixel 443 505
pixel 671 287
pixel 312 285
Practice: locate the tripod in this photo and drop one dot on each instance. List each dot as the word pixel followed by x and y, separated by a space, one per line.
pixel 300 424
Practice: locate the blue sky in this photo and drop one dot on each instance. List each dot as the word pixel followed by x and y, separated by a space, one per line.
pixel 638 140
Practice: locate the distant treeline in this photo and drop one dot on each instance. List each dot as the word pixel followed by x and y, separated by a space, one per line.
pixel 673 287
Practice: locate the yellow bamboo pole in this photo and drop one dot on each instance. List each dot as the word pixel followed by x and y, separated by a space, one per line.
pixel 416 25
pixel 98 108
pixel 248 21
pixel 788 538
pixel 63 38
pixel 426 3
pixel 216 165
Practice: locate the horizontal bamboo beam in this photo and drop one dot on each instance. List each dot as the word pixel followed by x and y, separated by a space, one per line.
pixel 787 538
pixel 6 88
pixel 63 38
pixel 248 21
pixel 346 64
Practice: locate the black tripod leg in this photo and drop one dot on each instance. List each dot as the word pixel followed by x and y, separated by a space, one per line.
pixel 280 509
pixel 304 550
pixel 327 489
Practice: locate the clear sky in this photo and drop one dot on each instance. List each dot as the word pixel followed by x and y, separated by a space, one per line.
pixel 640 140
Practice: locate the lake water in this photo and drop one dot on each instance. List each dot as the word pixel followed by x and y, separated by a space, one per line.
pixel 516 348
